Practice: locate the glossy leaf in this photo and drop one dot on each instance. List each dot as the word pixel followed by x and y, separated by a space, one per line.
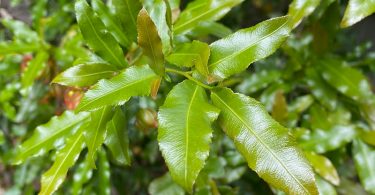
pixel 134 81
pixel 364 158
pixel 96 132
pixel 299 9
pixel 21 31
pixel 257 81
pixel 50 135
pixel 319 88
pixel 368 137
pixel 325 187
pixel 82 175
pixel 202 11
pixel 104 174
pixel 236 52
pixel 65 159
pixel 192 54
pixel 97 37
pixel 356 11
pixel 158 10
pixel 267 146
pixel 322 141
pixel 117 138
pixel 84 74
pixel 347 80
pixel 150 42
pixel 185 132
pixel 112 24
pixel 164 185
pixel 16 47
pixel 324 167
pixel 126 12
pixel 211 28
pixel 34 69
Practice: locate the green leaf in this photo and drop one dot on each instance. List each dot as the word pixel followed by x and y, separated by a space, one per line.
pixel 236 52
pixel 84 74
pixel 299 9
pixel 368 137
pixel 134 81
pixel 113 25
pixel 211 28
pixel 150 42
pixel 258 80
pixel 202 11
pixel 319 88
pixel 34 69
pixel 185 132
pixel 104 174
pixel 50 135
pixel 16 47
pixel 81 176
pixel 190 54
pixel 324 167
pixel 21 31
pixel 364 158
pixel 2 138
pixel 96 132
pixel 97 36
pixel 65 159
pixel 324 187
pixel 158 10
pixel 117 138
pixel 326 140
pixel 164 185
pixel 126 12
pixel 267 146
pixel 347 80
pixel 356 11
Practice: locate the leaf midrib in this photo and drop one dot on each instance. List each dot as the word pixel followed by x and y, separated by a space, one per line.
pixel 149 40
pixel 248 47
pixel 54 135
pixel 100 39
pixel 264 144
pixel 118 137
pixel 113 24
pixel 200 16
pixel 91 147
pixel 115 91
pixel 187 133
pixel 92 74
pixel 62 162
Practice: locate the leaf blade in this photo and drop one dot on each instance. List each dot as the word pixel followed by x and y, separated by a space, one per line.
pixel 84 75
pixel 202 11
pixel 234 53
pixel 150 41
pixel 256 134
pixel 192 54
pixel 96 134
pixel 364 158
pixel 134 81
pixel 65 158
pixel 117 139
pixel 356 11
pixel 185 160
pixel 96 35
pixel 44 139
pixel 111 23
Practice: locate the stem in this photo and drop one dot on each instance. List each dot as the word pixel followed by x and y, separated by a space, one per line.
pixel 186 74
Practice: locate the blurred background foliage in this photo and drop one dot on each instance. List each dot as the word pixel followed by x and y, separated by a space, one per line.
pixel 307 86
